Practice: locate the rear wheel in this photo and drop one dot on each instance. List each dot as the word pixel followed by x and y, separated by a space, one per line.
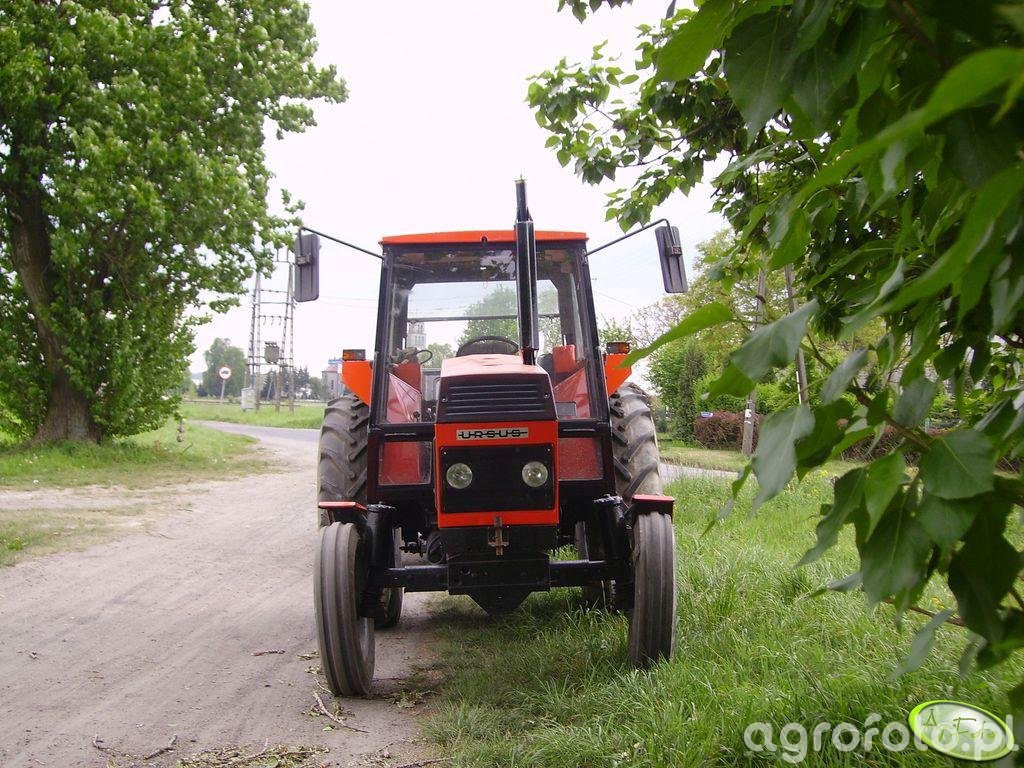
pixel 346 639
pixel 637 463
pixel 341 471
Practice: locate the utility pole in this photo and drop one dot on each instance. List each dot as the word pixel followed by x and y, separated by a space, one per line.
pixel 801 366
pixel 750 415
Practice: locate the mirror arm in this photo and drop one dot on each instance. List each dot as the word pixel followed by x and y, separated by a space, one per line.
pixel 340 242
pixel 628 235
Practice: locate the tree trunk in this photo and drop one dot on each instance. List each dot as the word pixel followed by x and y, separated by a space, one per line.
pixel 68 416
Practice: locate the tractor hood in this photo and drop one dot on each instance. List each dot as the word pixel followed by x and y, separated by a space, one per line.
pixel 486 388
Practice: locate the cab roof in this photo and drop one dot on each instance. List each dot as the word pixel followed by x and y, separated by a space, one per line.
pixel 478 236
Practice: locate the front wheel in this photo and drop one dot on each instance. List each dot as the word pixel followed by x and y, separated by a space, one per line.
pixel 346 639
pixel 652 623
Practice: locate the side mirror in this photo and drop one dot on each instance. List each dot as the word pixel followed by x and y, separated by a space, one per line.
pixel 673 270
pixel 307 267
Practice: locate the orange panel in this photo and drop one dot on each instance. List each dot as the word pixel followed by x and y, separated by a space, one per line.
pixel 614 375
pixel 358 376
pixel 477 236
pixel 574 390
pixel 564 358
pixel 541 433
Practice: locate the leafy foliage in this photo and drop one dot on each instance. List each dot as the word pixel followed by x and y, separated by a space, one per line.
pixel 875 148
pixel 133 187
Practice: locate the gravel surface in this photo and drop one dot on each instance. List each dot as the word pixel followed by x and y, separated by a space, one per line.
pixel 200 628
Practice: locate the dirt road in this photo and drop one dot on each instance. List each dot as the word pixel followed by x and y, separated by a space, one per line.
pixel 155 635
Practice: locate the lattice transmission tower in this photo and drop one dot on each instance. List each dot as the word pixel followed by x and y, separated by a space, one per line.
pixel 270 365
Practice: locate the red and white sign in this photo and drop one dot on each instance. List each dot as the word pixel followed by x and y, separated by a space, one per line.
pixel 224 372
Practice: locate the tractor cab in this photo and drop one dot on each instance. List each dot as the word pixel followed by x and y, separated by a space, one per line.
pixel 488 429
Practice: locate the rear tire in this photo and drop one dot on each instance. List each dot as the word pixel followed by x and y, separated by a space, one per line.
pixel 346 639
pixel 634 443
pixel 344 435
pixel 341 470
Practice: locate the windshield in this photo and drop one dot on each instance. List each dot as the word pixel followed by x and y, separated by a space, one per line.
pixel 454 301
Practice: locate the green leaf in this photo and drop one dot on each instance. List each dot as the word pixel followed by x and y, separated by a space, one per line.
pixel 895 557
pixel 843 374
pixel 707 316
pixel 884 478
pixel 982 572
pixel 946 520
pixel 993 198
pixel 814 449
pixel 849 496
pixel 914 401
pixel 773 345
pixel 958 465
pixel 775 458
pixel 922 643
pixel 731 382
pixel 971 79
pixel 687 50
pixel 759 56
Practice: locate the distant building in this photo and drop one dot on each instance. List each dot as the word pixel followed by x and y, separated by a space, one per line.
pixel 417 336
pixel 332 381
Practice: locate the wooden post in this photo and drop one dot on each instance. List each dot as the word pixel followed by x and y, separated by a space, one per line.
pixel 801 366
pixel 750 415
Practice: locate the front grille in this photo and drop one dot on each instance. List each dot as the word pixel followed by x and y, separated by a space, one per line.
pixel 496 400
pixel 497 479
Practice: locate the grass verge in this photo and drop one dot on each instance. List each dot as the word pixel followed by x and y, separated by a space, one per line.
pixel 676 452
pixel 303 417
pixel 145 460
pixel 25 532
pixel 550 685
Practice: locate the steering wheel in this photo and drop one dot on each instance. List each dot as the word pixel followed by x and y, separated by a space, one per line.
pixel 404 355
pixel 464 349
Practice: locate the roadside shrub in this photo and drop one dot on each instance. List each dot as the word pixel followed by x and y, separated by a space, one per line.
pixel 723 429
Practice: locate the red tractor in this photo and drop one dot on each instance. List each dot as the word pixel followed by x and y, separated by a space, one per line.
pixel 489 429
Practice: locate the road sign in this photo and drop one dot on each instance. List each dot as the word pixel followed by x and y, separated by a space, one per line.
pixel 224 372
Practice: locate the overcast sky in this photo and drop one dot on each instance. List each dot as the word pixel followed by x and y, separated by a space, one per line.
pixel 433 134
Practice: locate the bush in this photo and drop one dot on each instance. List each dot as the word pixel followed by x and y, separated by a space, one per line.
pixel 723 429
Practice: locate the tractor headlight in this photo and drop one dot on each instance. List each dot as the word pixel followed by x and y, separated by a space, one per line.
pixel 459 476
pixel 535 474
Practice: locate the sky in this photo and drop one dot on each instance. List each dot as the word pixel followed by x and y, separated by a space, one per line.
pixel 434 133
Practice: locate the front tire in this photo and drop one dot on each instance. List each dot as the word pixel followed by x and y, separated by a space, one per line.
pixel 652 622
pixel 346 639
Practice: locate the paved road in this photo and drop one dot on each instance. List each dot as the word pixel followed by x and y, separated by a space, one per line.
pixel 155 635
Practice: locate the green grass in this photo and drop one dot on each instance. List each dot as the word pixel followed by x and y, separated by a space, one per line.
pixel 550 685
pixel 29 532
pixel 678 452
pixel 307 416
pixel 149 459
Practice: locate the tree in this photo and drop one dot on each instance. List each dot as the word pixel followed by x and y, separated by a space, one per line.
pixel 439 352
pixel 221 354
pixel 874 148
pixel 502 301
pixel 132 179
